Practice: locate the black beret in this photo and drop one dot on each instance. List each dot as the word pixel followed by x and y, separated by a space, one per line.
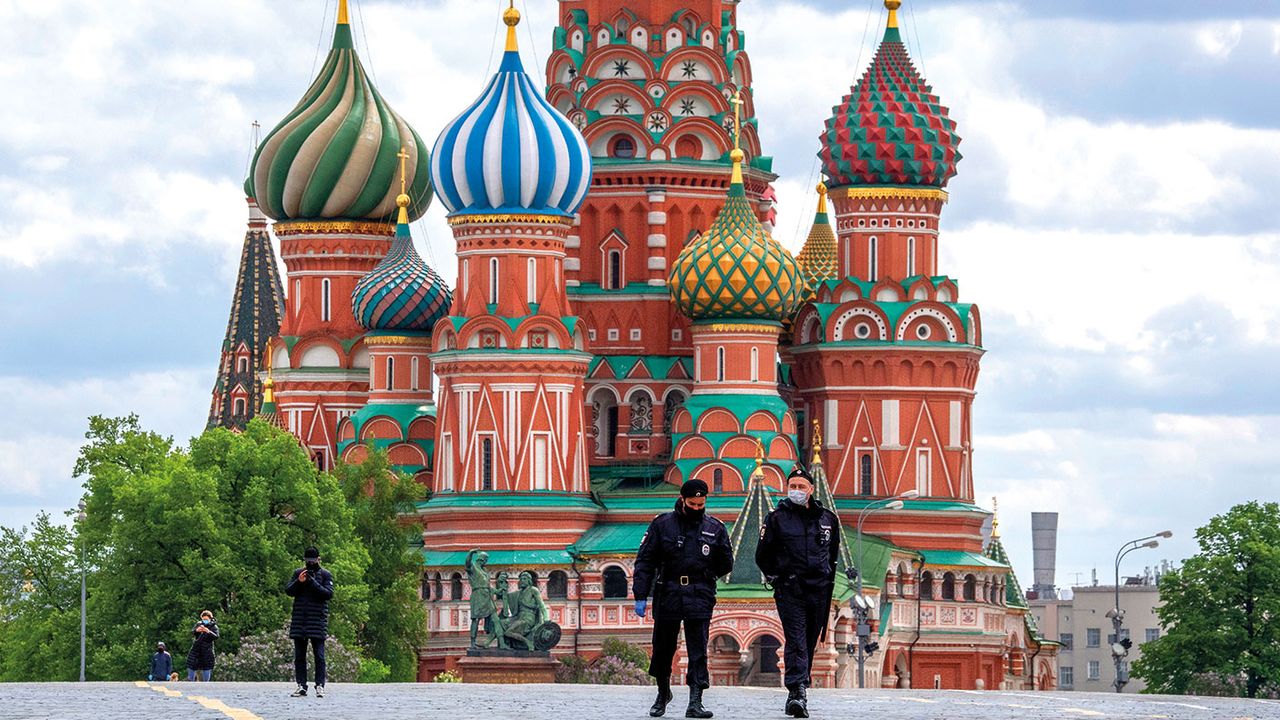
pixel 693 488
pixel 311 554
pixel 800 472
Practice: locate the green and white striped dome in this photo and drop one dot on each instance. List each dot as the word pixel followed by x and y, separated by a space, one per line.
pixel 334 157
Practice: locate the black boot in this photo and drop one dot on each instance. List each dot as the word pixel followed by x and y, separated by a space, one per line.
pixel 798 704
pixel 664 696
pixel 695 705
pixel 791 695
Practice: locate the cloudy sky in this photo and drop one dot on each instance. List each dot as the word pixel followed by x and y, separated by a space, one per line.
pixel 1114 216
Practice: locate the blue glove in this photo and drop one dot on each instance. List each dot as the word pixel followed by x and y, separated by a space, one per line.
pixel 641 607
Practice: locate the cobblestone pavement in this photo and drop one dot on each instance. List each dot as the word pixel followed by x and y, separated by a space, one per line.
pixel 260 701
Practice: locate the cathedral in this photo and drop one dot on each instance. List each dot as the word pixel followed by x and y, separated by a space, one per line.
pixel 624 320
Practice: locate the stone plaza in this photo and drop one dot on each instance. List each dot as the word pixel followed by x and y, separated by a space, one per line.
pixel 270 701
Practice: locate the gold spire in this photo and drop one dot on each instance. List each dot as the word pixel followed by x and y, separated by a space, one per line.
pixel 511 16
pixel 759 471
pixel 822 210
pixel 402 200
pixel 817 429
pixel 268 385
pixel 737 155
pixel 343 17
pixel 995 518
pixel 892 6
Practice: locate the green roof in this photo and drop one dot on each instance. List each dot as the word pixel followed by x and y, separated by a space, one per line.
pixel 877 553
pixel 498 558
pixel 959 558
pixel 611 539
pixel 657 366
pixel 850 504
pixel 519 500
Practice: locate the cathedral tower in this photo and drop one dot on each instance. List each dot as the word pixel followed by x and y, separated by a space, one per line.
pixel 327 174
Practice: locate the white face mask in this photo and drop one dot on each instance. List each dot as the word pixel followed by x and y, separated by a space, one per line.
pixel 799 497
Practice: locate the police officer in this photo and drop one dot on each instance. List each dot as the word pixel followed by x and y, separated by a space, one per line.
pixel 797 553
pixel 680 557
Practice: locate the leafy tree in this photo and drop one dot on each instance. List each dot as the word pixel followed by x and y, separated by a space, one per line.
pixel 379 498
pixel 39 603
pixel 1219 610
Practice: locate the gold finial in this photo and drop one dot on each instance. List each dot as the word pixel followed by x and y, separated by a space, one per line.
pixel 995 518
pixel 511 16
pixel 892 6
pixel 736 155
pixel 759 471
pixel 343 17
pixel 268 385
pixel 822 209
pixel 817 434
pixel 402 200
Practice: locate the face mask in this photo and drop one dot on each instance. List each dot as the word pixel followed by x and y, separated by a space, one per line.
pixel 205 622
pixel 313 564
pixel 799 497
pixel 694 514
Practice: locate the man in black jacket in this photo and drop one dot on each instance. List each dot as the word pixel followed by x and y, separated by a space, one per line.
pixel 799 546
pixel 680 557
pixel 311 587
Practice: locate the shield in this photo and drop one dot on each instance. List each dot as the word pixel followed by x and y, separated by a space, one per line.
pixel 545 636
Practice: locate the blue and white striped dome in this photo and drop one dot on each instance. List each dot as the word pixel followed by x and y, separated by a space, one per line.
pixel 511 151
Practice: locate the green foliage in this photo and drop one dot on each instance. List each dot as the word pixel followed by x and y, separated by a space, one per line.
pixel 1219 609
pixel 374 671
pixel 448 676
pixel 397 624
pixel 624 651
pixel 268 657
pixel 619 663
pixel 219 526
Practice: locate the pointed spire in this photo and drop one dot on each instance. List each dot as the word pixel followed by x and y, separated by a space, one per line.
pixel 737 155
pixel 746 531
pixel 402 200
pixel 995 518
pixel 511 16
pixel 822 203
pixel 891 32
pixel 342 37
pixel 343 16
pixel 816 458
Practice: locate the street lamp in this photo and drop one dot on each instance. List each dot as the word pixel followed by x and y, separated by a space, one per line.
pixel 1120 648
pixel 861 606
pixel 79 539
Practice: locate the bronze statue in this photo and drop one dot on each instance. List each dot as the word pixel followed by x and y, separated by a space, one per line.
pixel 483 598
pixel 528 612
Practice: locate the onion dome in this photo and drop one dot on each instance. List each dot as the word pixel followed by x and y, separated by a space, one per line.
pixel 401 292
pixel 890 129
pixel 334 156
pixel 511 151
pixel 736 271
pixel 818 258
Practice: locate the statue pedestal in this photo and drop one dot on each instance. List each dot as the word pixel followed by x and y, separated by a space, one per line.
pixel 507 667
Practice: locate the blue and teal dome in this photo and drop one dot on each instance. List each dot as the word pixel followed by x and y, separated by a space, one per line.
pixel 511 151
pixel 401 292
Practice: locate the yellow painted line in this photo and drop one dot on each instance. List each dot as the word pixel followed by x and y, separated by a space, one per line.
pixel 218 705
pixel 141 683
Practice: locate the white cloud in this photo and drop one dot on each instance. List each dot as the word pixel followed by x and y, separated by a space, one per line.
pixel 1219 39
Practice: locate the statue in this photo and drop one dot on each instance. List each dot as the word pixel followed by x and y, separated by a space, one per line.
pixel 483 597
pixel 528 624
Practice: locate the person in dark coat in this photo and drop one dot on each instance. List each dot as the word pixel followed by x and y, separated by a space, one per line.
pixel 798 549
pixel 311 587
pixel 680 557
pixel 161 664
pixel 200 659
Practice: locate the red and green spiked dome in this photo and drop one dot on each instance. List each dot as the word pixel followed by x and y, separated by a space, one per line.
pixel 890 129
pixel 401 292
pixel 736 271
pixel 333 157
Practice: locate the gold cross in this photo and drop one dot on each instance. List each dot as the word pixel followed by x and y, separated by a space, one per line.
pixel 737 118
pixel 404 158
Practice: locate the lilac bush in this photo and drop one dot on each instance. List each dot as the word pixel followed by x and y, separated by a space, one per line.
pixel 269 658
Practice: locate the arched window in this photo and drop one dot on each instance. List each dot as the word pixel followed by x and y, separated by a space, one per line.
pixel 926 586
pixel 455 586
pixel 720 364
pixel 864 474
pixel 532 280
pixel 641 413
pixel 871 259
pixel 297 296
pixel 324 300
pixel 238 407
pixel 439 594
pixel 486 464
pixel 623 147
pixel 970 588
pixel 558 585
pixel 900 581
pixel 413 374
pixel 493 281
pixel 755 364
pixel 911 256
pixel 949 586
pixel 391 373
pixel 466 275
pixel 669 407
pixel 615 280
pixel 615 583
pixel 242 365
pixel 717 480
pixel 424 592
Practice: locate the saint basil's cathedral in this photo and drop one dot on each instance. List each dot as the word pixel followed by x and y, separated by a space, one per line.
pixel 623 321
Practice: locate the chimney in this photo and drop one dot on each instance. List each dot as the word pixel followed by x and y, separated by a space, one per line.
pixel 1044 553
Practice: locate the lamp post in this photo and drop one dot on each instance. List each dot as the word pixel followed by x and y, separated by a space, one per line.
pixel 861 606
pixel 79 520
pixel 1120 648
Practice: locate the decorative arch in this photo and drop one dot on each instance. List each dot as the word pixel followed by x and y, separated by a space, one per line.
pixel 718 420
pixel 602 134
pixel 945 318
pixel 762 421
pixel 673 63
pixel 712 138
pixel 600 64
pixel 846 324
pixel 693 447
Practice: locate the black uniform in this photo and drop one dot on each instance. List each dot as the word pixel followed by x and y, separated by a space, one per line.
pixel 798 550
pixel 310 620
pixel 679 560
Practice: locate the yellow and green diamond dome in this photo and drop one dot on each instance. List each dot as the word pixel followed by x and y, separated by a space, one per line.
pixel 736 271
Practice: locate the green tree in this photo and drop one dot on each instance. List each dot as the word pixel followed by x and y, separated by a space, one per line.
pixel 39 603
pixel 380 498
pixel 1219 610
